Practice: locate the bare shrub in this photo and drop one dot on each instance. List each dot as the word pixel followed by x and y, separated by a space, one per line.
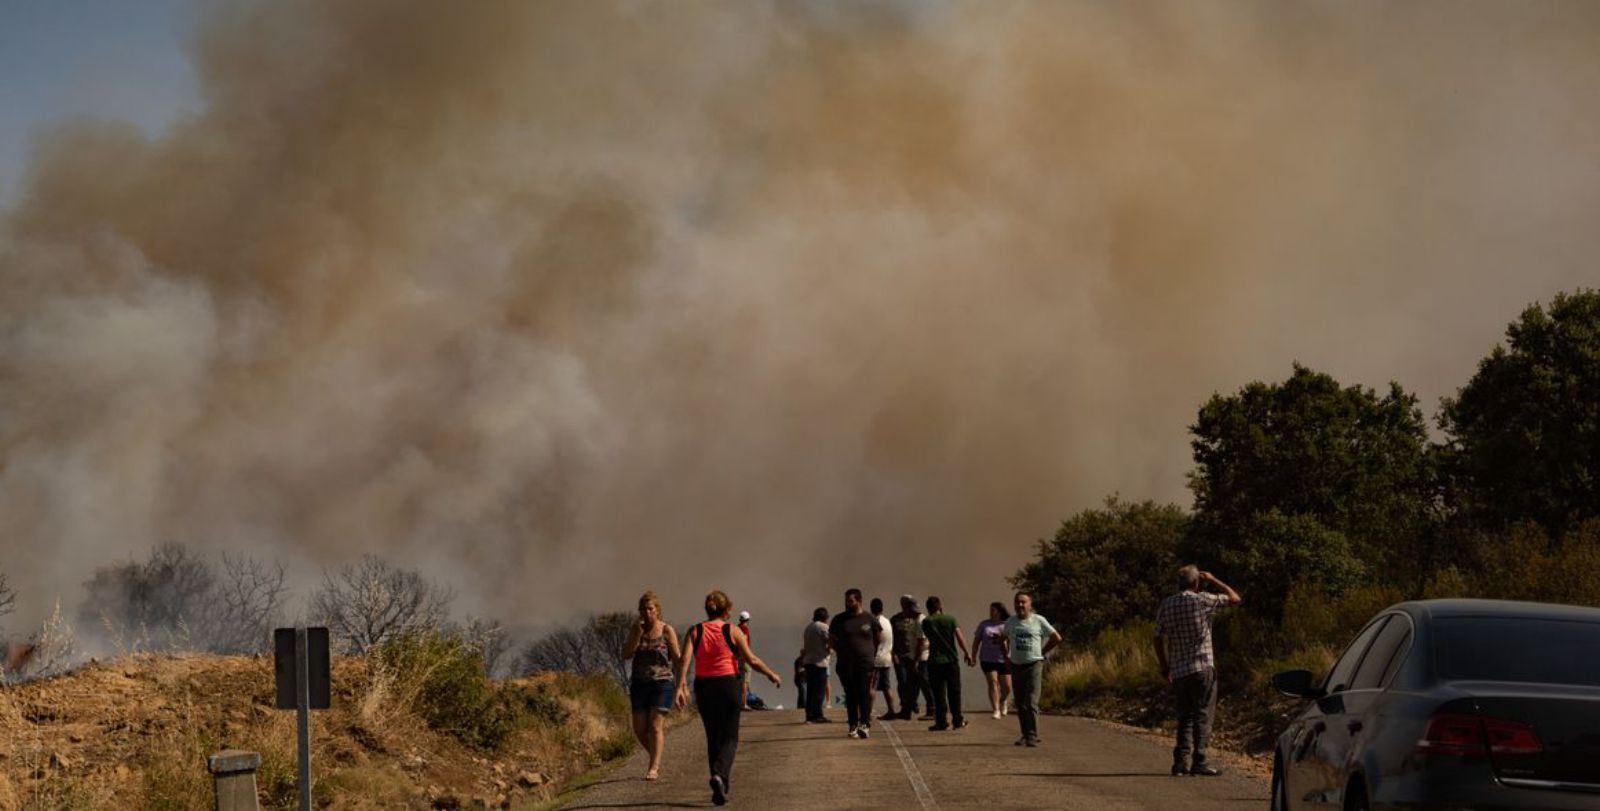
pixel 154 602
pixel 249 599
pixel 594 647
pixel 563 650
pixel 610 632
pixel 366 602
pixel 8 596
pixel 488 638
pixel 178 600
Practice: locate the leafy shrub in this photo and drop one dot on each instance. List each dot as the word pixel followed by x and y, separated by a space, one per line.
pixel 616 746
pixel 1316 658
pixel 1272 552
pixel 441 678
pixel 1523 564
pixel 1315 616
pixel 537 705
pixel 1105 566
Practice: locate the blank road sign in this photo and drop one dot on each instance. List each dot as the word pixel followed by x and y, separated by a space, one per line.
pixel 317 670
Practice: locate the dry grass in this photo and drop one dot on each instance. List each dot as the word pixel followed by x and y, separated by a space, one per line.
pixel 1121 661
pixel 134 734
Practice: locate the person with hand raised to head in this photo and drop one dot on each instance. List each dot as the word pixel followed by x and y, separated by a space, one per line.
pixel 1188 662
pixel 716 648
pixel 653 647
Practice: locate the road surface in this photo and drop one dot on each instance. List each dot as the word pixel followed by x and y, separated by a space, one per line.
pixel 784 763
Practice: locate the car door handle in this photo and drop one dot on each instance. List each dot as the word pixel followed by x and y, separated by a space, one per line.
pixel 1353 726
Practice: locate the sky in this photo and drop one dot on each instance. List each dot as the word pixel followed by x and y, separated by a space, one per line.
pixel 100 58
pixel 561 301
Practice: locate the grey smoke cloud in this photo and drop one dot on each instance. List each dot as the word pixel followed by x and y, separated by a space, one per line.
pixel 563 300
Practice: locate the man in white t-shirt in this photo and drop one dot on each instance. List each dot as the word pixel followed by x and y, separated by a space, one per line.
pixel 1027 640
pixel 882 664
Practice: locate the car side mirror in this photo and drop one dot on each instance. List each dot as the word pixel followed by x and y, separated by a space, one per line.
pixel 1297 683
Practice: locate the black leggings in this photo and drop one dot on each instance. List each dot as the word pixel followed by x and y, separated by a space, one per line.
pixel 720 700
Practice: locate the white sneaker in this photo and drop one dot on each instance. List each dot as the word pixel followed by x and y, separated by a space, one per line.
pixel 853 733
pixel 866 732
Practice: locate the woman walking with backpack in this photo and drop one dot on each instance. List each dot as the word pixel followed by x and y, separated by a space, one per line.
pixel 653 648
pixel 716 647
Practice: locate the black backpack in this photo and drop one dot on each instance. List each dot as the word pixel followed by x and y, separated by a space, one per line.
pixel 698 631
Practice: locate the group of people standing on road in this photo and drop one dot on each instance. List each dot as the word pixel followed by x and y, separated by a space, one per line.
pixel 923 650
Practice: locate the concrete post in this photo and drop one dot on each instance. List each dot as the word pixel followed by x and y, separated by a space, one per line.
pixel 235 773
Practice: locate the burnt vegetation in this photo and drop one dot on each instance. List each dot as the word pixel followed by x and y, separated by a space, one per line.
pixel 177 599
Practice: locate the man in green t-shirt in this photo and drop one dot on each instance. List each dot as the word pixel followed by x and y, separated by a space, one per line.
pixel 944 665
pixel 1028 639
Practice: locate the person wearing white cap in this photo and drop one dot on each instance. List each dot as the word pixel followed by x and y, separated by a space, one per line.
pixel 744 667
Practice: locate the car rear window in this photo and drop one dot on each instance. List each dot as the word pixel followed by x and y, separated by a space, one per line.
pixel 1519 649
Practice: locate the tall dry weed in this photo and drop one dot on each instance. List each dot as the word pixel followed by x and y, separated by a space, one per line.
pixel 1120 660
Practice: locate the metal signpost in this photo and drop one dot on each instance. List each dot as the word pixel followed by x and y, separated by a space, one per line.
pixel 301 667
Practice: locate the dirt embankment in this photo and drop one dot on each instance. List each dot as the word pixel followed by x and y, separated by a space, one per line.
pixel 135 733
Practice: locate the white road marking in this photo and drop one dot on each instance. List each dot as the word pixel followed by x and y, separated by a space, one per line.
pixel 920 786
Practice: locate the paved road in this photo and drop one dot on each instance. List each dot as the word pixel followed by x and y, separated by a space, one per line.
pixel 784 763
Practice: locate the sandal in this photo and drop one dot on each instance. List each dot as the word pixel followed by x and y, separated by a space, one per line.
pixel 652 774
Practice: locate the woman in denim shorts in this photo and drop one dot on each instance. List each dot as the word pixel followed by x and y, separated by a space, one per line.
pixel 653 647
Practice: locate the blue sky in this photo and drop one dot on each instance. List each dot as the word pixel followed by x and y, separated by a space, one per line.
pixel 119 59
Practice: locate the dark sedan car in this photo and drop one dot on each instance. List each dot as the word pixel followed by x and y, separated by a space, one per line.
pixel 1466 705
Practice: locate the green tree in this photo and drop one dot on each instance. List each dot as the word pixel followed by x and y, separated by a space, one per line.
pixel 1338 466
pixel 1105 566
pixel 1524 434
pixel 1271 553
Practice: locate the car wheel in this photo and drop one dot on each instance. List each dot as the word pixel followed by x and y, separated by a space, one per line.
pixel 1280 791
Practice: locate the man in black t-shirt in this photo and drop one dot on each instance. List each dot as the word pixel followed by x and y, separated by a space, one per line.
pixel 855 635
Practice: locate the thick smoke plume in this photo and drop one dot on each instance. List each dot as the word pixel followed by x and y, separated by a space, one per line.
pixel 562 300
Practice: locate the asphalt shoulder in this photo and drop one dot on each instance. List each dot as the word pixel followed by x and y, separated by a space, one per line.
pixel 785 763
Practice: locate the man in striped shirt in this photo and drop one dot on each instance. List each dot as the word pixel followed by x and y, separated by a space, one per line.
pixel 1183 647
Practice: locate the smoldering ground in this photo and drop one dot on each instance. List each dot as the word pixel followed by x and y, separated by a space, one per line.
pixel 560 300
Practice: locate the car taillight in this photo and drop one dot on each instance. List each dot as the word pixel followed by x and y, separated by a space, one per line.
pixel 1511 737
pixel 1449 734
pixel 1456 734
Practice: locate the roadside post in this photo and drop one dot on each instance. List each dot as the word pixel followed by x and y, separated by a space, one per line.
pixel 301 669
pixel 234 772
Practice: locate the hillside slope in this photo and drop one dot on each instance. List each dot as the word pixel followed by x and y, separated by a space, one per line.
pixel 135 733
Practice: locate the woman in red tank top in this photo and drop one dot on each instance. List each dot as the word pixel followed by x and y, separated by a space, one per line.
pixel 716 649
